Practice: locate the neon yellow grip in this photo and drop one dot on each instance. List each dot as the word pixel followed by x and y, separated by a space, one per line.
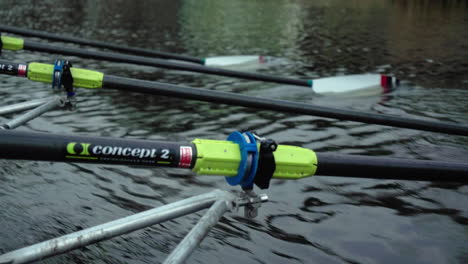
pixel 10 43
pixel 216 157
pixel 294 162
pixel 42 72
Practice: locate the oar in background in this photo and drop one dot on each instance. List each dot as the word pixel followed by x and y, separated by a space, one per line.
pixel 325 85
pixel 217 61
pixel 92 79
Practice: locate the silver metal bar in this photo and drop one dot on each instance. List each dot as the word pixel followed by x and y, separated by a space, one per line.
pixel 20 120
pixel 114 228
pixel 198 232
pixel 23 106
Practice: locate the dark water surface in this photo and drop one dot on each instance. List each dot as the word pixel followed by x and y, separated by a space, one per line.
pixel 315 220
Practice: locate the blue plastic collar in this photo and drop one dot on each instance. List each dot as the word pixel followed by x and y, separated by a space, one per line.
pixel 243 177
pixel 57 74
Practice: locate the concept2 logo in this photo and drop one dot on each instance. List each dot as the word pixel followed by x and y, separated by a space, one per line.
pixel 79 151
pixel 91 151
pixel 78 148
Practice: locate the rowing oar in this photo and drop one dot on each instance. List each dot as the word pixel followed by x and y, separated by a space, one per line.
pixel 11 43
pixel 93 79
pixel 218 157
pixel 210 61
pixel 347 83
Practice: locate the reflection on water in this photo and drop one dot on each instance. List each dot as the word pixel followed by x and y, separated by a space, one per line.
pixel 316 220
pixel 209 27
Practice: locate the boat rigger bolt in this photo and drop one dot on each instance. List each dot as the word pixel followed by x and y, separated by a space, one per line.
pixel 251 202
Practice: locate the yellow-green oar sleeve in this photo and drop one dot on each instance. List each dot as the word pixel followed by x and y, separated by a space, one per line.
pixel 10 43
pixel 42 72
pixel 216 157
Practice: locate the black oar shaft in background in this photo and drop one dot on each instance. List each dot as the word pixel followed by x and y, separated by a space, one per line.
pixel 116 57
pixel 99 44
pixel 52 147
pixel 133 85
pixel 156 88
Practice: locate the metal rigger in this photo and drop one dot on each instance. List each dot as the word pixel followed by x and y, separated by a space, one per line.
pixel 62 81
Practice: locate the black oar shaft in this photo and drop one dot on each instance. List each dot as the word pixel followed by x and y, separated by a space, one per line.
pixel 385 168
pixel 28 45
pixel 141 86
pixel 51 147
pixel 99 44
pixel 69 148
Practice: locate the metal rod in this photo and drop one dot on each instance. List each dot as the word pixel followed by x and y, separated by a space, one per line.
pixel 8 109
pixel 114 228
pixel 198 232
pixel 20 120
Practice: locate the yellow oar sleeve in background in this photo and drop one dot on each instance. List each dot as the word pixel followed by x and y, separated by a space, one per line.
pixel 10 43
pixel 83 78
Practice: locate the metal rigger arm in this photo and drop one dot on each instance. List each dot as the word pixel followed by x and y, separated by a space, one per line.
pixel 62 80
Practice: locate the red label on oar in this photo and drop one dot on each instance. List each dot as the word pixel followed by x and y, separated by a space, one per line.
pixel 22 70
pixel 14 69
pixel 386 82
pixel 185 157
pixel 383 80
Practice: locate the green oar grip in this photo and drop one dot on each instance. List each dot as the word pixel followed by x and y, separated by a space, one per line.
pixel 217 157
pixel 42 72
pixel 11 43
pixel 294 162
